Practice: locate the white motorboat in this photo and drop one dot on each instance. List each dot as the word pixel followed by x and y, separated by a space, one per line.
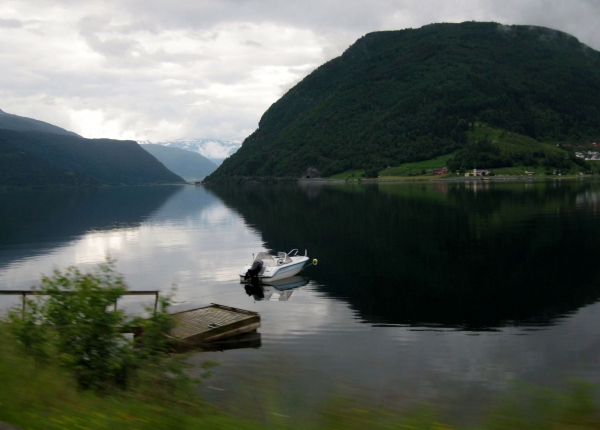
pixel 269 268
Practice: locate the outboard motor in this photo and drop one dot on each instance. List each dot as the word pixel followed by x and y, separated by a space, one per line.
pixel 255 291
pixel 254 270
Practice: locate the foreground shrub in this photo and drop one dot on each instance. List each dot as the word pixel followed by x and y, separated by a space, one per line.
pixel 73 321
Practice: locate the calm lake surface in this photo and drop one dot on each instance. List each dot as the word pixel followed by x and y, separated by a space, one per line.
pixel 442 292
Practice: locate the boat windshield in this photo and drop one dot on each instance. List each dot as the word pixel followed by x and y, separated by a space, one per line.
pixel 273 260
pixel 266 258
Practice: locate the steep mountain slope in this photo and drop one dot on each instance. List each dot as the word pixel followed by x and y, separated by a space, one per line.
pixel 409 95
pixel 189 165
pixel 102 161
pixel 21 123
pixel 19 168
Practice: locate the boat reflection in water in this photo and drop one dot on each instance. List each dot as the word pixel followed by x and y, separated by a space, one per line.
pixel 280 290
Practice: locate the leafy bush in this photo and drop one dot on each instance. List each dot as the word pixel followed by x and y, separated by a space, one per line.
pixel 75 321
pixel 371 173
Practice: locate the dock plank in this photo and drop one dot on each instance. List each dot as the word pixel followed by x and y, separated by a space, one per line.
pixel 212 323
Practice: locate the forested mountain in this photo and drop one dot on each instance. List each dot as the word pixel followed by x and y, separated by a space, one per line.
pixel 409 95
pixel 189 165
pixel 21 123
pixel 32 158
pixel 20 168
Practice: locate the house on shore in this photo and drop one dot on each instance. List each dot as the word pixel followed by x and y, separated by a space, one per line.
pixel 478 172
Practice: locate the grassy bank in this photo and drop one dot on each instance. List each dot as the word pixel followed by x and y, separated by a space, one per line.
pixel 44 396
pixel 34 396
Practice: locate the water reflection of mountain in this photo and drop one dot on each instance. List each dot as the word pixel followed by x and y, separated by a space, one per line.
pixel 49 218
pixel 458 255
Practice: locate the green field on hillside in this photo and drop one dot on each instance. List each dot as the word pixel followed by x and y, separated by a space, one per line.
pixel 349 175
pixel 417 168
pixel 512 142
pixel 407 169
pixel 503 151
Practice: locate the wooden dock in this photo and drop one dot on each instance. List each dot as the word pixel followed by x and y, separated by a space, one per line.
pixel 194 327
pixel 212 323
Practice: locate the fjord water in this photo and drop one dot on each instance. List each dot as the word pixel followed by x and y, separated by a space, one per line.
pixel 442 292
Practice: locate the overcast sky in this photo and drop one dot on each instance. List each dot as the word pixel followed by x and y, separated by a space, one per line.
pixel 159 70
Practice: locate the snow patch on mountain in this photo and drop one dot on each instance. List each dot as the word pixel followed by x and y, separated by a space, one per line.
pixel 213 149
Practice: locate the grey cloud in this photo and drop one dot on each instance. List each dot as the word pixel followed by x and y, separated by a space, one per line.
pixel 314 14
pixel 11 23
pixel 253 43
pixel 353 18
pixel 111 47
pixel 504 28
pixel 576 17
pixel 300 74
pixel 193 66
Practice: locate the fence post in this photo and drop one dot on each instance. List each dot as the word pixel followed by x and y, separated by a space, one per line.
pixel 24 304
pixel 156 302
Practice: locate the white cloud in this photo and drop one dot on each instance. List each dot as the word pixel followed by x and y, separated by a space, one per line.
pixel 156 70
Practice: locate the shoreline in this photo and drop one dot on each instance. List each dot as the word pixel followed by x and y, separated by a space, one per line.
pixel 444 179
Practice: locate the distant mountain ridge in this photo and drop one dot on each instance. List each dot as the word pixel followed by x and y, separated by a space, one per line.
pixel 395 97
pixel 191 166
pixel 31 157
pixel 20 168
pixel 215 150
pixel 21 123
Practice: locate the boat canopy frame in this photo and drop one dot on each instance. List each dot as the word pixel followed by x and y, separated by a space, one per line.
pixel 273 260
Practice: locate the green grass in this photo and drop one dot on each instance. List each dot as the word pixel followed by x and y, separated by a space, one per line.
pixel 512 142
pixel 407 169
pixel 595 165
pixel 349 175
pixel 509 143
pixel 520 171
pixel 417 167
pixel 34 396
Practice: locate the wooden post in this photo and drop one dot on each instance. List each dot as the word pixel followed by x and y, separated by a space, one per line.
pixel 24 304
pixel 25 293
